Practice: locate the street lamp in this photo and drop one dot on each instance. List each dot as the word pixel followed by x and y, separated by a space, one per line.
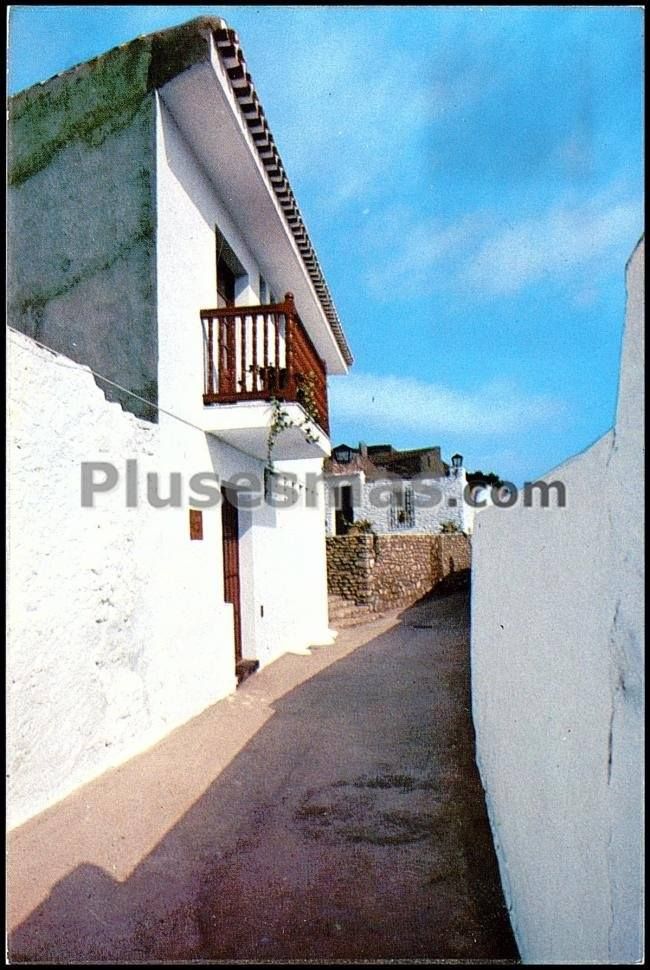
pixel 343 454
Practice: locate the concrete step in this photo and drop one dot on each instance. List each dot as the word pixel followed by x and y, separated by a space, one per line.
pixel 360 614
pixel 334 599
pixel 342 612
pixel 244 669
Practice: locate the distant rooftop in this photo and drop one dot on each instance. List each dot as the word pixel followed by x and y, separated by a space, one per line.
pixel 377 460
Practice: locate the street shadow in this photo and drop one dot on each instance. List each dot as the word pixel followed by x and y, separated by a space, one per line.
pixel 352 826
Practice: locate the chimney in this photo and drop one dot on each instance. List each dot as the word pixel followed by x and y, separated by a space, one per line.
pixel 363 449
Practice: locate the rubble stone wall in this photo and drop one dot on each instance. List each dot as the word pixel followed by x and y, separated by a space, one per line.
pixel 392 571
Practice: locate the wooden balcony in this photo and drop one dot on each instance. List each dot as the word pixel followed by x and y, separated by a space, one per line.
pixel 261 353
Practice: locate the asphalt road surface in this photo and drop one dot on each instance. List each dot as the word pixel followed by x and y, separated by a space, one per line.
pixel 351 826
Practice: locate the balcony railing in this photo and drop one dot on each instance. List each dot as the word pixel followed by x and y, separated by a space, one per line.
pixel 257 353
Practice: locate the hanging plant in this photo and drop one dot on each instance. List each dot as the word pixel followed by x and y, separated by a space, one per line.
pixel 307 395
pixel 280 420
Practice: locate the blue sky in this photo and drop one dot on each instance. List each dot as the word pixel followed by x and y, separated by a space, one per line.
pixel 471 179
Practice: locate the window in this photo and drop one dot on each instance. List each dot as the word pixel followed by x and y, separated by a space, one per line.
pixel 231 275
pixel 225 284
pixel 402 515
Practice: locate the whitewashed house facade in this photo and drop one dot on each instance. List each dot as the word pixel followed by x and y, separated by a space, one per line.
pixel 430 497
pixel 162 291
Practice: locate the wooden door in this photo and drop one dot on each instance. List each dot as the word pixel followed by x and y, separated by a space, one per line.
pixel 345 513
pixel 231 582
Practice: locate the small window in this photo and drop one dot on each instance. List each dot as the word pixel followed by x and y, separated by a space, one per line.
pixel 402 515
pixel 225 285
pixel 230 272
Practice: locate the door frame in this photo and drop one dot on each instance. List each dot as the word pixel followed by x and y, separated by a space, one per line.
pixel 230 545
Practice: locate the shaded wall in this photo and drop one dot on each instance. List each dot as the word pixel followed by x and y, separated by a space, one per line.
pixel 557 675
pixel 81 274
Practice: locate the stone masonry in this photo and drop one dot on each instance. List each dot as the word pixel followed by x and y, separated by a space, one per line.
pixel 392 571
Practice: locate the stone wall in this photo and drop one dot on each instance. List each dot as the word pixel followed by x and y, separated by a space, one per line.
pixel 392 571
pixel 350 563
pixel 405 568
pixel 454 553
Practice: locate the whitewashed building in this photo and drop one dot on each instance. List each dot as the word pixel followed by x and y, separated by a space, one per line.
pixel 412 491
pixel 163 290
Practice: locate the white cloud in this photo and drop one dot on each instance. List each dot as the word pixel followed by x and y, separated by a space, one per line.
pixel 483 253
pixel 343 112
pixel 418 247
pixel 401 404
pixel 552 244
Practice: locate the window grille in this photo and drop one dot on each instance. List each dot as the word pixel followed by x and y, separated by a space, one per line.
pixel 402 515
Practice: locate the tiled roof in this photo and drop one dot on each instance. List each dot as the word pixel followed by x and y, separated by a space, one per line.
pixel 356 464
pixel 241 82
pixel 385 460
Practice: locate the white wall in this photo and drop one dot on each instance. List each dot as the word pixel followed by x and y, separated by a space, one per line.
pixel 368 497
pixel 280 550
pixel 557 690
pixel 109 649
pixel 119 630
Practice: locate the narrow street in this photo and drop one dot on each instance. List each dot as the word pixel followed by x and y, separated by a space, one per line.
pixel 348 825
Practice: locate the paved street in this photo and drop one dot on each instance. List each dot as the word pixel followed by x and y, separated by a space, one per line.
pixel 331 810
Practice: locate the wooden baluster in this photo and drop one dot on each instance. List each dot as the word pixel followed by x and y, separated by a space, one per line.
pixel 289 342
pixel 277 368
pixel 254 335
pixel 276 361
pixel 222 374
pixel 265 379
pixel 242 330
pixel 232 360
pixel 210 372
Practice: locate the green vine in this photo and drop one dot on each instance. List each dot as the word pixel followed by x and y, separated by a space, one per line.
pixel 280 420
pixel 307 395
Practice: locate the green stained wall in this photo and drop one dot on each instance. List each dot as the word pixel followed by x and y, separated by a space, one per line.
pixel 81 209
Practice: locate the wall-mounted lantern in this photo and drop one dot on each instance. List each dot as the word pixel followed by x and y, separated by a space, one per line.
pixel 457 463
pixel 343 454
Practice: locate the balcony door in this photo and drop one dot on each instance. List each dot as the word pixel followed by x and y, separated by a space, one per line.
pixel 225 284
